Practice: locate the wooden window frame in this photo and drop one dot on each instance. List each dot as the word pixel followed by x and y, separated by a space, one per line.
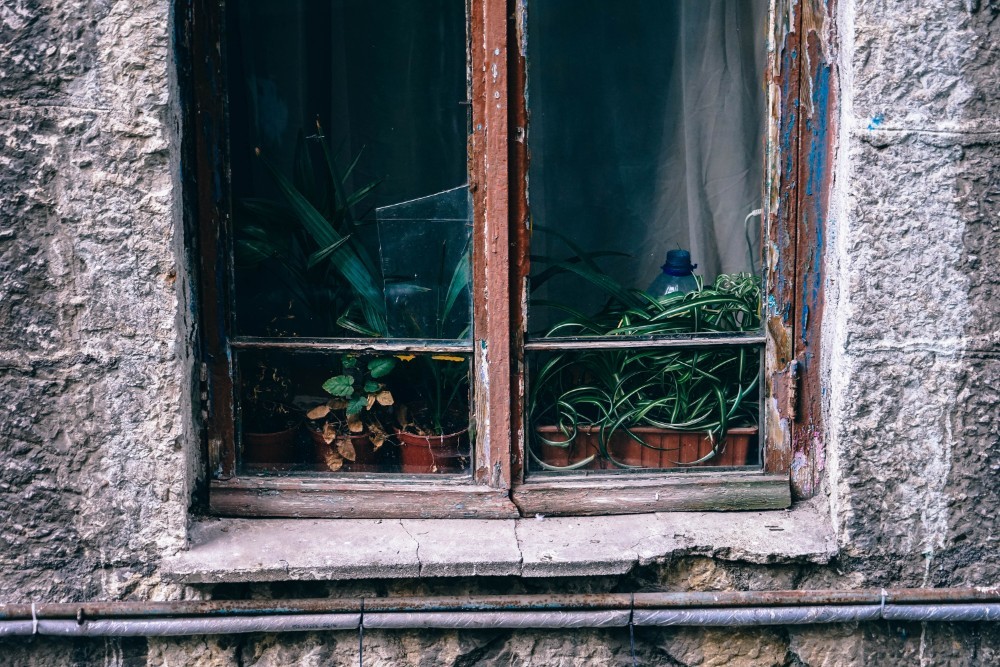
pixel 498 161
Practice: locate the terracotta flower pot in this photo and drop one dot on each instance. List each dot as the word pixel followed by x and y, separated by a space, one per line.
pixel 364 452
pixel 664 448
pixel 268 448
pixel 424 454
pixel 584 445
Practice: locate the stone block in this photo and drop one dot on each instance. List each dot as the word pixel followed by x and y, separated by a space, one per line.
pixel 926 65
pixel 465 547
pixel 914 454
pixel 923 214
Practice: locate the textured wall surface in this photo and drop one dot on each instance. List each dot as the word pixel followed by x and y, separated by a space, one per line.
pixel 97 455
pixel 94 467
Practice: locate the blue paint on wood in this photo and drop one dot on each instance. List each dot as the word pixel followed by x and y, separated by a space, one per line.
pixel 818 161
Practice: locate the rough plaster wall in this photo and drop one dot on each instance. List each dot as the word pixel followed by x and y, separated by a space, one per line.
pixel 95 467
pixel 915 369
pixel 94 476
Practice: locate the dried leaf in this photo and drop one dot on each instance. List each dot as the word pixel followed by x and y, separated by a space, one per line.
pixel 318 412
pixel 346 449
pixel 333 460
pixel 354 423
pixel 371 401
pixel 337 404
pixel 384 397
pixel 378 439
pixel 329 433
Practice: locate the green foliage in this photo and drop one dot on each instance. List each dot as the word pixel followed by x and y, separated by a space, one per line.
pixel 310 243
pixel 381 367
pixel 341 386
pixel 709 389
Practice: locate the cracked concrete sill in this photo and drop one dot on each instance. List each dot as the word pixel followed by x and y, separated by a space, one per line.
pixel 238 550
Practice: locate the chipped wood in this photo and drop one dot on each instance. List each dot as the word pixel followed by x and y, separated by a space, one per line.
pixel 818 100
pixel 488 160
pixel 377 496
pixel 683 492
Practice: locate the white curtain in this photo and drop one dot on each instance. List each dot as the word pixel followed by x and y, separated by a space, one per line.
pixel 646 133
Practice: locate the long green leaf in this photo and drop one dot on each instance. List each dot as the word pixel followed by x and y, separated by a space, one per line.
pixel 344 258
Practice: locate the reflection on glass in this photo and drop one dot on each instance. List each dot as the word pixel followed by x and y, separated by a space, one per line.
pixel 354 413
pixel 643 408
pixel 646 130
pixel 336 109
pixel 425 259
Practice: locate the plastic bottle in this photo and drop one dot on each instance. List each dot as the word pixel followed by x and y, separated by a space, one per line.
pixel 676 276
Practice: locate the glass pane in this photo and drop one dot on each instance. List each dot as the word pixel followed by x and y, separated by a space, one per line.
pixel 354 413
pixel 646 130
pixel 643 408
pixel 340 110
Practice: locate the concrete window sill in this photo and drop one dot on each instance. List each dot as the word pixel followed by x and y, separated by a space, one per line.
pixel 241 550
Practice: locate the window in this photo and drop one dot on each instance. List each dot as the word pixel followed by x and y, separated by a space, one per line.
pixel 427 235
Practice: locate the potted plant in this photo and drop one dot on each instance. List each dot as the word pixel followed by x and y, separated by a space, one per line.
pixel 347 430
pixel 268 422
pixel 433 425
pixel 648 407
pixel 432 415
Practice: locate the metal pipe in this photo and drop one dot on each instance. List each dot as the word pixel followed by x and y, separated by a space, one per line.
pixel 498 619
pixel 705 617
pixel 755 616
pixel 946 613
pixel 175 627
pixel 724 608
pixel 604 601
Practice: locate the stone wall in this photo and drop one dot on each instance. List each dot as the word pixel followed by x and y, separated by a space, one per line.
pixel 97 456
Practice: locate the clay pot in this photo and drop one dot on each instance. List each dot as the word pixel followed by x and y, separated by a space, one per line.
pixel 664 448
pixel 268 448
pixel 584 445
pixel 422 454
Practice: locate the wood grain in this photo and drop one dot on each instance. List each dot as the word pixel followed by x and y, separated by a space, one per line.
pixel 595 495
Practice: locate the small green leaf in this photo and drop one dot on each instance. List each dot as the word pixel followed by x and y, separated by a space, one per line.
pixel 340 386
pixel 371 387
pixel 357 404
pixel 381 367
pixel 350 362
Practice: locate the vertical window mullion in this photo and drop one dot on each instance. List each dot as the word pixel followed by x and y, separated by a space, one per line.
pixel 488 169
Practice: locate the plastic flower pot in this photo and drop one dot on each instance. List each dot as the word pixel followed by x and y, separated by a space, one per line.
pixel 422 454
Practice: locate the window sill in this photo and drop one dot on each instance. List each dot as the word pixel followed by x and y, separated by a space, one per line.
pixel 249 550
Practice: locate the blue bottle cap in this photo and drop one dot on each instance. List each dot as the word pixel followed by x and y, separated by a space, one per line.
pixel 678 263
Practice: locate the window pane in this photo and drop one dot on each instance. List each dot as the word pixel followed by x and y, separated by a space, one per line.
pixel 354 413
pixel 343 113
pixel 643 408
pixel 646 134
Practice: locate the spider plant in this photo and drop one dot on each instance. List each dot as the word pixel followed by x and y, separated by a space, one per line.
pixel 616 390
